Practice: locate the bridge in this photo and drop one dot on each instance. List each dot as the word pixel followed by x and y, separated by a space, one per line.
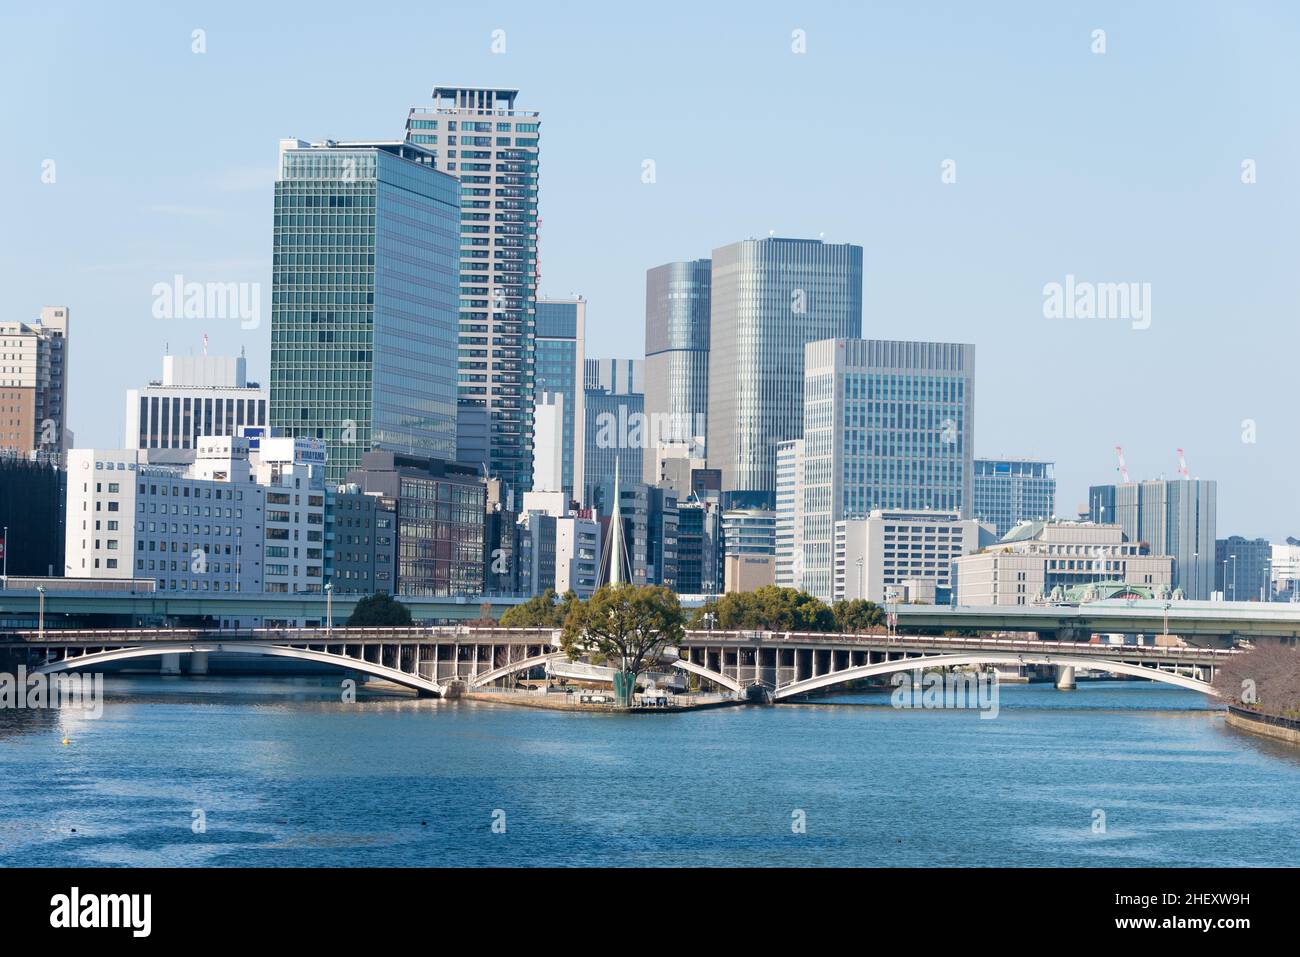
pixel 784 665
pixel 436 660
pixel 1199 622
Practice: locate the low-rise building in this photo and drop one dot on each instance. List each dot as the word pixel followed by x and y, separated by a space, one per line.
pixel 902 555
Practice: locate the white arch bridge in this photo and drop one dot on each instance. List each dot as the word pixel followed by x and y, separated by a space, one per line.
pixel 782 665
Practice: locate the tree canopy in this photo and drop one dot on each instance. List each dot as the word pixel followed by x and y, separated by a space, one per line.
pixel 1267 678
pixel 379 609
pixel 628 626
pixel 784 609
pixel 541 611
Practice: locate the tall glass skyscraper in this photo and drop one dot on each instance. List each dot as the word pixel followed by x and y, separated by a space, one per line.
pixel 1174 517
pixel 768 299
pixel 677 353
pixel 478 136
pixel 561 327
pixel 363 301
pixel 887 425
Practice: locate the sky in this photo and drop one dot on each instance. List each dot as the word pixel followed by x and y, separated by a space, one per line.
pixel 976 151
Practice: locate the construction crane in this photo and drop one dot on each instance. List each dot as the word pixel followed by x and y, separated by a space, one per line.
pixel 1123 469
pixel 1182 465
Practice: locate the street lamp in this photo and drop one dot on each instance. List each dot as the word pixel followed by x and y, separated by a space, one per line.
pixel 329 609
pixel 861 588
pixel 6 558
pixel 40 620
pixel 1234 576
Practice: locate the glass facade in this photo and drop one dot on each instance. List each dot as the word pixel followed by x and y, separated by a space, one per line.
pixel 677 351
pixel 1010 491
pixel 887 425
pixel 559 368
pixel 769 298
pixel 363 315
pixel 1173 517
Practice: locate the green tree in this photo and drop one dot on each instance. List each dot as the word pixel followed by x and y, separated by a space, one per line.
pixel 628 626
pixel 857 615
pixel 541 611
pixel 767 609
pixel 379 609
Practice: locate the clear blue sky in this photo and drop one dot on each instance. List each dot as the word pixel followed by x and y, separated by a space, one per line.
pixel 1117 167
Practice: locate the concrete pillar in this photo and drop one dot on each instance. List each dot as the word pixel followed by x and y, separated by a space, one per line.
pixel 199 663
pixel 170 664
pixel 1065 677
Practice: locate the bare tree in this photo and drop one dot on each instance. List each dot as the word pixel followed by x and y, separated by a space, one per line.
pixel 1266 678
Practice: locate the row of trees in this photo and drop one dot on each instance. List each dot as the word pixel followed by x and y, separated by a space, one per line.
pixel 784 609
pixel 1266 678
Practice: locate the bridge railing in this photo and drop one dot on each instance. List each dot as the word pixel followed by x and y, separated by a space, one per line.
pixel 337 635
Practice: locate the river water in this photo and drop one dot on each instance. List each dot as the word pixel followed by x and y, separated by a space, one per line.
pixel 281 772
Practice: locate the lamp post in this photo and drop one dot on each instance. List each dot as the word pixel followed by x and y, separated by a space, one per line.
pixel 40 620
pixel 6 558
pixel 861 588
pixel 1234 576
pixel 329 609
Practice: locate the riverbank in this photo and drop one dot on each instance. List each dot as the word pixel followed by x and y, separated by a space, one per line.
pixel 1265 725
pixel 553 701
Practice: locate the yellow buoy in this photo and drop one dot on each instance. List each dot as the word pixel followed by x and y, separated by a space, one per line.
pixel 66 741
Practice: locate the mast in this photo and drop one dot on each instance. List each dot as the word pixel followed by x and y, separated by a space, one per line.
pixel 616 536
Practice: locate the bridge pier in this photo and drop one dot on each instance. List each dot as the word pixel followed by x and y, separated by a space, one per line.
pixel 170 664
pixel 199 663
pixel 1065 677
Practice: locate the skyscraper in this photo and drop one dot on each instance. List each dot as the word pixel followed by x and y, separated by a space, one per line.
pixel 478 136
pixel 615 422
pixel 1175 517
pixel 363 314
pixel 1010 491
pixel 677 354
pixel 887 425
pixel 768 299
pixel 561 328
pixel 34 383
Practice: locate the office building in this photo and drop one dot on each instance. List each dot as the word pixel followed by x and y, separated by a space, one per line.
pixel 1007 492
pixel 1174 517
pixel 479 136
pixel 1062 561
pixel 1242 568
pixel 441 512
pixel 748 549
pixel 559 546
pixel 560 420
pixel 363 313
pixel 789 514
pixel 1285 570
pixel 616 427
pixel 649 519
pixel 34 383
pixel 901 555
pixel 887 426
pixel 768 299
pixel 699 545
pixel 196 396
pixel 677 355
pixel 33 494
pixel 361 541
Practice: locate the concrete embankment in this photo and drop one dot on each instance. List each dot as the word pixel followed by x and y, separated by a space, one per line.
pixel 573 702
pixel 1267 725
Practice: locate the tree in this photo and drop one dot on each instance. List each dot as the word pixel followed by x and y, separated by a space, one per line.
pixel 626 625
pixel 768 609
pixel 857 615
pixel 1267 678
pixel 379 609
pixel 540 611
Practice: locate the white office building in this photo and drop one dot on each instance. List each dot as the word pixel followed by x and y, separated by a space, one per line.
pixel 196 396
pixel 902 555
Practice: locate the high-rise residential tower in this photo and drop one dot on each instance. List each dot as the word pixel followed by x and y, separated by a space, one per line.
pixel 677 355
pixel 561 325
pixel 479 136
pixel 1174 517
pixel 887 426
pixel 363 314
pixel 34 383
pixel 1010 491
pixel 768 299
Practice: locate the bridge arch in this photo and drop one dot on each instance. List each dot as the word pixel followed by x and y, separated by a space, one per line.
pixel 989 658
pixel 405 678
